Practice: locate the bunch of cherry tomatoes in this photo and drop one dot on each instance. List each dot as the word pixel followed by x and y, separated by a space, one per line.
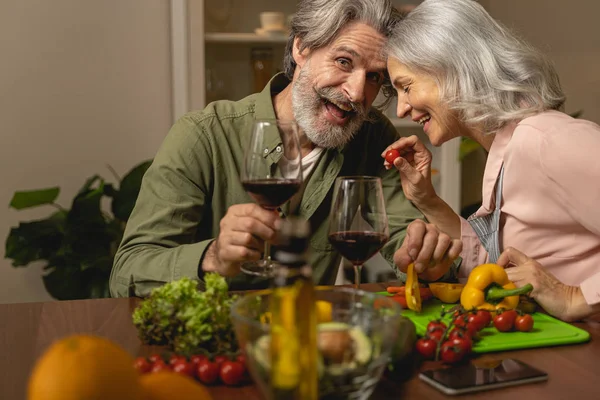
pixel 453 342
pixel 230 371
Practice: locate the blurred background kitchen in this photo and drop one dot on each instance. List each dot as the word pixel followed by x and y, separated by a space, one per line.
pixel 89 86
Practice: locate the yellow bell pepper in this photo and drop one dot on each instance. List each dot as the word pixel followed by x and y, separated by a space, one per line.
pixel 412 293
pixel 489 288
pixel 446 292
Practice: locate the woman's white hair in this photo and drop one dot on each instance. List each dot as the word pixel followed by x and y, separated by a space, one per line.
pixel 484 71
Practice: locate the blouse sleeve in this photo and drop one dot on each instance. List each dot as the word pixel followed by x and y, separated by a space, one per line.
pixel 572 163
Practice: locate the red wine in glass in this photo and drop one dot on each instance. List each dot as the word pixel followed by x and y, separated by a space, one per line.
pixel 271 193
pixel 358 225
pixel 271 178
pixel 358 247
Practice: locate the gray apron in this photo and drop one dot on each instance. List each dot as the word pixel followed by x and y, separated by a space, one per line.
pixel 486 227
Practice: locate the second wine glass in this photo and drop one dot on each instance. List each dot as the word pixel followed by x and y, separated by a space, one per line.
pixel 358 226
pixel 271 177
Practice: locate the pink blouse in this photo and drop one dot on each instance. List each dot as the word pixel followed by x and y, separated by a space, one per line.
pixel 550 198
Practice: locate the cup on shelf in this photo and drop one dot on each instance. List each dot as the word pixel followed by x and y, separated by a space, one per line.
pixel 272 21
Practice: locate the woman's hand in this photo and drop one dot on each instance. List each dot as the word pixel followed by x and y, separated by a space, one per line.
pixel 431 250
pixel 414 165
pixel 553 295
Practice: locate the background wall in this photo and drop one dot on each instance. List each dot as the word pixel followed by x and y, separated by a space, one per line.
pixel 82 84
pixel 570 35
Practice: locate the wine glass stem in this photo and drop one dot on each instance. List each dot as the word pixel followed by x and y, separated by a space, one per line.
pixel 267 255
pixel 357 269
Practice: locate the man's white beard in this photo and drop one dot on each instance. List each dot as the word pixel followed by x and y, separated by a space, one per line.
pixel 307 105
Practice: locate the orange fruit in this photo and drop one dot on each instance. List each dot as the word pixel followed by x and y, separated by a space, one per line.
pixel 84 367
pixel 167 385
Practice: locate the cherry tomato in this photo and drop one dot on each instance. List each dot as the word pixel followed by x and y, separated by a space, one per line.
pixel 155 358
pixel 436 334
pixel 175 358
pixel 241 358
pixel 207 372
pixel 232 372
pixel 426 347
pixel 524 323
pixel 159 366
pixel 451 353
pixel 142 365
pixel 486 316
pixel 470 327
pixel 184 368
pixel 436 324
pixel 476 320
pixel 391 155
pixel 220 359
pixel 459 332
pixel 195 359
pixel 464 342
pixel 505 321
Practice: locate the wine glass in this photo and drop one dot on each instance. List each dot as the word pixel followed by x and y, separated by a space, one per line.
pixel 271 177
pixel 358 226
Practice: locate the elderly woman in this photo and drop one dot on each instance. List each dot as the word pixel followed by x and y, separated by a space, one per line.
pixel 458 72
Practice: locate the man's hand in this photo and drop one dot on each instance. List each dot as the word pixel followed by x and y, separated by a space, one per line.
pixel 553 295
pixel 431 250
pixel 243 232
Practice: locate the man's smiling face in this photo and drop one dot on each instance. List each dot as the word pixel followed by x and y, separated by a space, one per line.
pixel 335 86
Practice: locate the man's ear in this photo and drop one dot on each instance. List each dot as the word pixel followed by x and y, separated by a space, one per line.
pixel 300 57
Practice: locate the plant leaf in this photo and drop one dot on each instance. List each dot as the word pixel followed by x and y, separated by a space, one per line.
pixel 88 184
pixel 65 282
pixel 577 114
pixel 86 206
pixel 87 230
pixel 467 146
pixel 109 190
pixel 36 240
pixel 124 200
pixel 34 198
pixel 97 281
pixel 99 289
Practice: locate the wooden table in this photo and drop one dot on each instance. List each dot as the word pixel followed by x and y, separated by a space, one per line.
pixel 574 370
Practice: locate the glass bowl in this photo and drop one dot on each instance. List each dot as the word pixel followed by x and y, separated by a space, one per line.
pixel 367 325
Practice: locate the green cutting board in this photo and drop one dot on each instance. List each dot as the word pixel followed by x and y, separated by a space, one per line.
pixel 547 331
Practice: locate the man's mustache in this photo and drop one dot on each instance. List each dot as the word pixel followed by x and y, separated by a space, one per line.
pixel 334 96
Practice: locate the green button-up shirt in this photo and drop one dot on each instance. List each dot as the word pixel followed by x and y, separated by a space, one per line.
pixel 195 178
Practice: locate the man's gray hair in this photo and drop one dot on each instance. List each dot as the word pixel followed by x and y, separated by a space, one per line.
pixel 318 22
pixel 484 71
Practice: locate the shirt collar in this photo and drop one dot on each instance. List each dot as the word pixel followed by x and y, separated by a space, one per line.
pixel 494 163
pixel 264 109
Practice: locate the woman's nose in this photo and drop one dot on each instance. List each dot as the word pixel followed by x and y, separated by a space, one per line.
pixel 403 108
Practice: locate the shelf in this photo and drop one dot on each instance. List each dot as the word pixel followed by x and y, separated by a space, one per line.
pixel 404 123
pixel 218 37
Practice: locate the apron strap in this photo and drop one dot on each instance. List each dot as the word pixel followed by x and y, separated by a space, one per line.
pixel 487 227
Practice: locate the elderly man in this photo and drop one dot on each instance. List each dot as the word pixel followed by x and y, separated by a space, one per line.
pixel 193 215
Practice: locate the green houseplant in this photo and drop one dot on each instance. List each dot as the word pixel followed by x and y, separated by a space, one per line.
pixel 78 244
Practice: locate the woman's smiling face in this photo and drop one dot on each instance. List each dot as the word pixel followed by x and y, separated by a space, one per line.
pixel 419 99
